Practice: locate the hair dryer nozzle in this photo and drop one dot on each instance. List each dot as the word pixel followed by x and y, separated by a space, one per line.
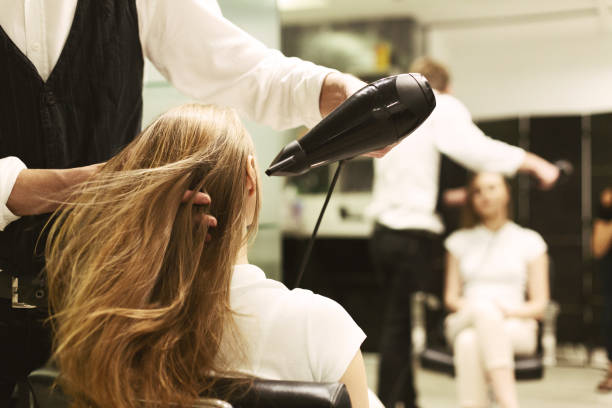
pixel 289 161
pixel 379 114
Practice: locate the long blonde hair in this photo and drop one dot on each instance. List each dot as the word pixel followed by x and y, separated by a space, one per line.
pixel 140 300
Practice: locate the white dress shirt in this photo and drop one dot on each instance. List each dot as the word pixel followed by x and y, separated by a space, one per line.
pixel 194 47
pixel 493 264
pixel 406 179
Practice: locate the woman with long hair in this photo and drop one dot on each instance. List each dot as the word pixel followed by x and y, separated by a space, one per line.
pixel 150 304
pixel 491 265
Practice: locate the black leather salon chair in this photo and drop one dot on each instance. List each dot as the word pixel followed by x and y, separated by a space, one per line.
pixel 262 394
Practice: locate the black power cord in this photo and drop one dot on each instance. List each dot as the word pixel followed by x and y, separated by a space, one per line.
pixel 316 228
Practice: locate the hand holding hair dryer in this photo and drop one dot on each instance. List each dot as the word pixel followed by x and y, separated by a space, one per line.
pixel 379 114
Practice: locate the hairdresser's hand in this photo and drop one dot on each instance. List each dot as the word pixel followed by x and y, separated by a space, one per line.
pixel 546 172
pixel 338 87
pixel 606 197
pixel 201 199
pixel 39 191
pixel 455 197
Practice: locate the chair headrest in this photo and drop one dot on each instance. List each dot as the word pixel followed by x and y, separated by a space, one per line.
pixel 261 393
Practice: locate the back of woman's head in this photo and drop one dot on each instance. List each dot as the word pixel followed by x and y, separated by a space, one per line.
pixel 141 298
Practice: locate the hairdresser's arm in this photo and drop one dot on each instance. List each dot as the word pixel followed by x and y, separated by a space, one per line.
pixel 356 383
pixel 602 228
pixel 39 191
pixel 546 173
pixel 209 58
pixel 10 167
pixel 458 137
pixel 452 288
pixel 602 238
pixel 537 291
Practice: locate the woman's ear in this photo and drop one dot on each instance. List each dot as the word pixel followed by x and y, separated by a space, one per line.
pixel 251 182
pixel 251 190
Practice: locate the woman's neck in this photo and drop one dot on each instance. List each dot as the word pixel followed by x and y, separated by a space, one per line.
pixel 495 222
pixel 242 257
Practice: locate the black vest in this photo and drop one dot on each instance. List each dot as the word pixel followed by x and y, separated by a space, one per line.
pixel 86 111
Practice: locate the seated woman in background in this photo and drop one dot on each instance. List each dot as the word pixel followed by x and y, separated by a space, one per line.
pixel 150 302
pixel 490 266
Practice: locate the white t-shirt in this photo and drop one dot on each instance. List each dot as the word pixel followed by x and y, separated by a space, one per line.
pixel 493 264
pixel 291 335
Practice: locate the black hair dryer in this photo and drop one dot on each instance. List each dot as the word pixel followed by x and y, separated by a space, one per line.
pixel 379 114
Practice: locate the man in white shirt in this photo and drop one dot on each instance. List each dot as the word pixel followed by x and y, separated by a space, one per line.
pixel 407 227
pixel 71 74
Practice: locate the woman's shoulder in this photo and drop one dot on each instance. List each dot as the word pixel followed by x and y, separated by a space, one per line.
pixel 529 240
pixel 255 294
pixel 460 239
pixel 523 232
pixel 313 331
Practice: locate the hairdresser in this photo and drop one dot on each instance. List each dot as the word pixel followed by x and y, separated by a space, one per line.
pixel 407 229
pixel 71 75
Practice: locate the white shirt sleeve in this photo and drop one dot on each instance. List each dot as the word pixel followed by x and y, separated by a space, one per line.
pixel 455 243
pixel 333 339
pixel 460 139
pixel 207 57
pixel 533 244
pixel 10 167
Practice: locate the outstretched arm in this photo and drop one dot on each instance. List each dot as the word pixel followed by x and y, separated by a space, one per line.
pixel 209 58
pixel 602 238
pixel 40 191
pixel 602 229
pixel 459 138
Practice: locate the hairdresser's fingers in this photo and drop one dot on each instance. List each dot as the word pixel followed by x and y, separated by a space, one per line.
pixel 547 176
pixel 381 153
pixel 205 219
pixel 455 197
pixel 199 199
pixel 606 197
pixel 212 222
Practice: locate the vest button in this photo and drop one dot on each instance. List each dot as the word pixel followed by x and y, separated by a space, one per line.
pixel 49 98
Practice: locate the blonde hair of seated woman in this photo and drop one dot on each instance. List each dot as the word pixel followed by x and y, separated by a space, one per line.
pixel 140 295
pixel 488 203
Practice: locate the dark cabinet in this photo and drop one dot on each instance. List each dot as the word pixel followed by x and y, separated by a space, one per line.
pixel 340 269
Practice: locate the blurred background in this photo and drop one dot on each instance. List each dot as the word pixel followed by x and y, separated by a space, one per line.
pixel 537 74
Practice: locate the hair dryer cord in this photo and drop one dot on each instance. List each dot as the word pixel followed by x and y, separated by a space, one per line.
pixel 316 228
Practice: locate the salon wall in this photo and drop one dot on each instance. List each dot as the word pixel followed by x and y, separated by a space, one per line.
pixel 260 19
pixel 510 67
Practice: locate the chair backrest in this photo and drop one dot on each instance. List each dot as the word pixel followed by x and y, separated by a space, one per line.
pixel 262 393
